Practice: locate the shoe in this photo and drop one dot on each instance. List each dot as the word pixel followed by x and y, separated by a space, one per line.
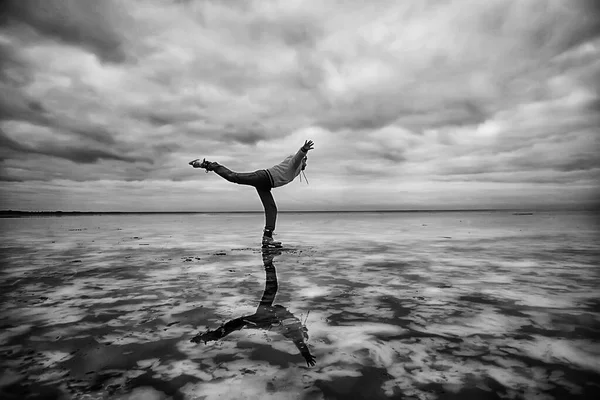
pixel 268 242
pixel 207 165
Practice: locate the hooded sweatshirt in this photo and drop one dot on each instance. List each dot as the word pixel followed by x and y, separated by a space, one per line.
pixel 285 172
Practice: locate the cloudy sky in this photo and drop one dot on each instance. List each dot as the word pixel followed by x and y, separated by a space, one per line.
pixel 411 104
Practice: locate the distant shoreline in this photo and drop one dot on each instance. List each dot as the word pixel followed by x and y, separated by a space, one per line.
pixel 18 214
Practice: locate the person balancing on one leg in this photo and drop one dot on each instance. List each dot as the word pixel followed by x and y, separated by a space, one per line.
pixel 264 180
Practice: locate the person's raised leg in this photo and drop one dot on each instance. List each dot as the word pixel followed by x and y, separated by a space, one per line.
pixel 225 172
pixel 241 178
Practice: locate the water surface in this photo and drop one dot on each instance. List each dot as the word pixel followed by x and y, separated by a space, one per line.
pixel 482 305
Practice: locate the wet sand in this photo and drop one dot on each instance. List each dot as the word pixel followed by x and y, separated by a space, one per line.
pixel 402 306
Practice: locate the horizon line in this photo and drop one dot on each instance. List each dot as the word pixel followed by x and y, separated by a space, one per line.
pixel 531 209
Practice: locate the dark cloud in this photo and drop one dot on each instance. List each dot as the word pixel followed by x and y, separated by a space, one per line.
pixel 7 178
pixel 158 120
pixel 395 156
pixel 534 176
pixel 555 155
pixel 48 167
pixel 579 164
pixel 8 143
pixel 588 26
pixel 367 169
pixel 15 105
pixel 166 148
pixel 249 138
pixel 234 78
pixel 13 69
pixel 592 80
pixel 161 118
pixel 88 155
pixel 250 135
pixel 538 176
pixel 546 27
pixel 96 133
pixel 295 32
pixel 85 23
pixel 79 155
pixel 232 4
pixel 594 105
pixel 464 113
pixel 575 162
pixel 373 114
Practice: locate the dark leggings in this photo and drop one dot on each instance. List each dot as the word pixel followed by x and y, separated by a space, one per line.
pixel 258 179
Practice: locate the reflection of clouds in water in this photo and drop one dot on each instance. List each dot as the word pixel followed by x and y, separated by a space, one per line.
pixel 583 354
pixel 422 364
pixel 249 386
pixel 172 370
pixel 47 316
pixel 358 344
pixel 485 322
pixel 476 311
pixel 9 332
pixel 314 291
pixel 51 358
pixel 143 393
pixel 541 299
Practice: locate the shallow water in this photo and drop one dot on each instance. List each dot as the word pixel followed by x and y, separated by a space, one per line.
pixel 481 305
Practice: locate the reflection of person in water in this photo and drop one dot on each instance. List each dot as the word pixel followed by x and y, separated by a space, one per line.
pixel 267 316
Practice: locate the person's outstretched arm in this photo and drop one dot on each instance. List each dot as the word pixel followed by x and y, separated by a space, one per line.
pixel 297 160
pixel 310 359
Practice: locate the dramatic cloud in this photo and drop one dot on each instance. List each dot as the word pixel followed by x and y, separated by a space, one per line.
pixel 90 24
pixel 412 104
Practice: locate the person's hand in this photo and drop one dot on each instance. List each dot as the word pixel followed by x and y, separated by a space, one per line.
pixel 310 359
pixel 308 145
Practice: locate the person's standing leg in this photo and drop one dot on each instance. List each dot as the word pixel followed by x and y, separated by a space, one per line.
pixel 268 202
